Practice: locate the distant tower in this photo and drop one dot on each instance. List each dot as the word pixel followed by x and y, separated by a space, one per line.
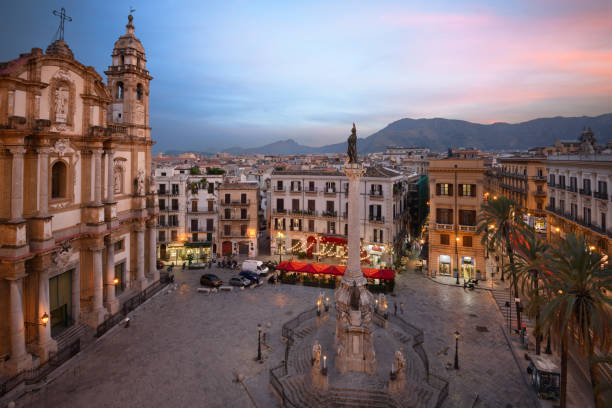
pixel 128 80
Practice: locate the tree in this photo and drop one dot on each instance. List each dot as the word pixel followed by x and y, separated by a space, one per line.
pixel 579 309
pixel 214 170
pixel 530 269
pixel 499 223
pixel 194 171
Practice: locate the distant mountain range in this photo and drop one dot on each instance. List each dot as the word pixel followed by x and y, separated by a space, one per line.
pixel 439 134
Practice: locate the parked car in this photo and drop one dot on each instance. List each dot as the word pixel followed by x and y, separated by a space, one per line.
pixel 250 276
pixel 255 266
pixel 208 279
pixel 239 281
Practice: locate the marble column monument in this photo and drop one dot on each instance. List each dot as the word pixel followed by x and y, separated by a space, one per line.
pixel 354 303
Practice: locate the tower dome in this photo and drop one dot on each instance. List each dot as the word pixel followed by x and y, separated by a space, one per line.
pixel 129 45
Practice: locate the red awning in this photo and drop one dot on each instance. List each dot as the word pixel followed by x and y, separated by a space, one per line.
pixel 319 268
pixel 331 239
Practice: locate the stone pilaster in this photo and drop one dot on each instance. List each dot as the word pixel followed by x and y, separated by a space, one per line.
pixel 97 158
pixel 110 176
pixel 20 359
pixel 141 281
pixel 43 181
pixel 111 303
pixel 153 250
pixel 17 183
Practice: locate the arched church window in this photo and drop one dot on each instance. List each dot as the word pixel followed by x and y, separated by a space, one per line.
pixel 139 92
pixel 119 90
pixel 58 180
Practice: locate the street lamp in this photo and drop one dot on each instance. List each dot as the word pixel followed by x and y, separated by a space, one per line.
pixel 44 319
pixel 259 342
pixel 457 350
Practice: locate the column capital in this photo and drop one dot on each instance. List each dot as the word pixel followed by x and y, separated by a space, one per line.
pixel 96 151
pixel 43 150
pixel 17 150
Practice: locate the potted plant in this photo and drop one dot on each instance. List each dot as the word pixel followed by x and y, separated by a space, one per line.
pixel 478 274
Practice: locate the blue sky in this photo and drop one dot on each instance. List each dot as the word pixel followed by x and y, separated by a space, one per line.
pixel 246 72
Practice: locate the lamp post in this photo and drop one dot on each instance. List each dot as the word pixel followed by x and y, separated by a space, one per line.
pixel 259 343
pixel 457 256
pixel 44 319
pixel 457 350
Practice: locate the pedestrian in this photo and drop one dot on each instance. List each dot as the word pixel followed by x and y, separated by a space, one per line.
pixel 401 308
pixel 395 308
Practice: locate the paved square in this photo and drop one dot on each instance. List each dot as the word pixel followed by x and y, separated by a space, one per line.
pixel 185 348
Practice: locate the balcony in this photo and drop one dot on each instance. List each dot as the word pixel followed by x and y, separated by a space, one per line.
pixel 200 229
pixel 467 228
pixel 235 202
pixel 296 190
pixel 207 211
pixel 312 190
pixel 373 218
pixel 279 212
pixel 329 214
pixel 444 227
pixel 539 178
pixel 603 195
pixel 330 191
pixel 539 193
pixel 234 235
pixel 514 175
pixel 169 225
pixel 513 188
pixel 585 192
pixel 280 189
pixel 303 213
pixel 235 218
pixel 572 189
pixel 580 221
pixel 295 228
pixel 561 186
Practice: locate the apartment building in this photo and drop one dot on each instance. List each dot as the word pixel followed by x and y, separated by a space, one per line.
pixel 579 198
pixel 201 213
pixel 309 214
pixel 523 179
pixel 171 185
pixel 238 219
pixel 456 194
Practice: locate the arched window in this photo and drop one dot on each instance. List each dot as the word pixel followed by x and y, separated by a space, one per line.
pixel 122 60
pixel 58 180
pixel 119 90
pixel 139 92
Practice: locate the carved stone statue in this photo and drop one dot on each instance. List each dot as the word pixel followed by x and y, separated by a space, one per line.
pixel 140 183
pixel 316 355
pixel 400 362
pixel 352 146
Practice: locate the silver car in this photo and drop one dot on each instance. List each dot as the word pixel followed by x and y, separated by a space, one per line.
pixel 239 281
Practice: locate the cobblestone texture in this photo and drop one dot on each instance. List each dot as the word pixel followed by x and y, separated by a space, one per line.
pixel 185 348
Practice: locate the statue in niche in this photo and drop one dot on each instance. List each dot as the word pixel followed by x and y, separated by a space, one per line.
pixel 140 183
pixel 61 104
pixel 352 146
pixel 117 180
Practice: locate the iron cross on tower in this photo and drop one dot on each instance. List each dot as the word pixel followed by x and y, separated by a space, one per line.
pixel 62 15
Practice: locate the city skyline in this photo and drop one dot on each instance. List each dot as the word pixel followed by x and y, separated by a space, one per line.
pixel 244 74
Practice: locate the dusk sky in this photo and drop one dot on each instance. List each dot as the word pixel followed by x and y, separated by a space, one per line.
pixel 247 72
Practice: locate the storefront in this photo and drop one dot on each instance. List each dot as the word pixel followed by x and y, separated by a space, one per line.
pixel 374 254
pixel 445 265
pixel 538 223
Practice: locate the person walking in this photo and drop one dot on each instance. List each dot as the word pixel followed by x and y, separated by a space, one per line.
pixel 402 308
pixel 395 308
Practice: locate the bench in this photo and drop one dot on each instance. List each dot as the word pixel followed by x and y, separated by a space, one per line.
pixel 204 290
pixel 226 288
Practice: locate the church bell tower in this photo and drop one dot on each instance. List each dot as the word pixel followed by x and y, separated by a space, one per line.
pixel 129 80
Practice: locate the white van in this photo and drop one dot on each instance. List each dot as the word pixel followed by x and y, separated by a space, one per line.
pixel 254 266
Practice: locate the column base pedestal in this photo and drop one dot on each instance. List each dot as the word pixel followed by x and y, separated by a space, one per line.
pixel 142 284
pixel 14 366
pixel 95 317
pixel 43 350
pixel 112 306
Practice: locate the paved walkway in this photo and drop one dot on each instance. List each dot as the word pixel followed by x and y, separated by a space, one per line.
pixel 185 348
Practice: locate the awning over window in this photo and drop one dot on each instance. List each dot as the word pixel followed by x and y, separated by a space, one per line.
pixel 318 268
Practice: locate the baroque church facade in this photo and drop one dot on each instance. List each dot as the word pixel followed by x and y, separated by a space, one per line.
pixel 78 207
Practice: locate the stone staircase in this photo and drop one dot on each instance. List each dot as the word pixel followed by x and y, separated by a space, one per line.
pixel 78 330
pixel 356 398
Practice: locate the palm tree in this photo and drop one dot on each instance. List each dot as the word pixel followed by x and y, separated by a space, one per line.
pixel 579 306
pixel 499 221
pixel 529 270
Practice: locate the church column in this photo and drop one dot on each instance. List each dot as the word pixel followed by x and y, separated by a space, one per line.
pixel 43 181
pixel 111 300
pixel 98 312
pixel 110 182
pixel 45 343
pixel 17 183
pixel 19 358
pixel 153 250
pixel 140 257
pixel 97 157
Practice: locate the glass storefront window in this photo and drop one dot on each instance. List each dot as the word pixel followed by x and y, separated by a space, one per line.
pixel 445 262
